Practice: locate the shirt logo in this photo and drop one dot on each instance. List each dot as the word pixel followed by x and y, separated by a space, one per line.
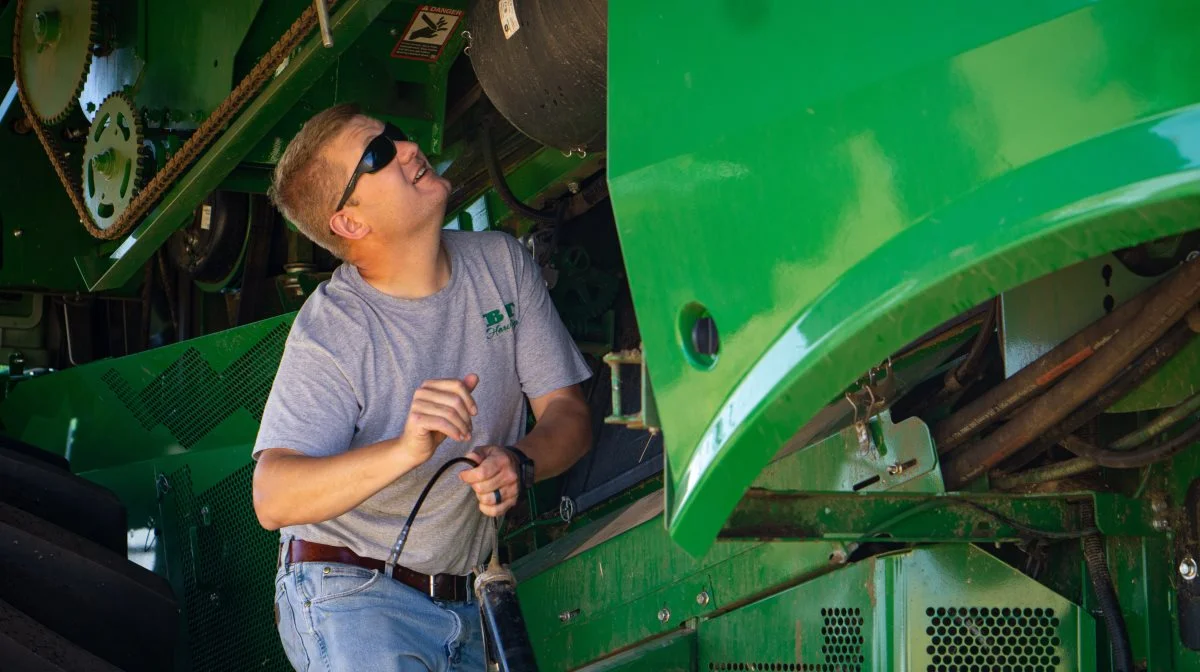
pixel 495 320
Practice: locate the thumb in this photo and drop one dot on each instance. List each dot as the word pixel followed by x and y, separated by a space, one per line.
pixel 471 381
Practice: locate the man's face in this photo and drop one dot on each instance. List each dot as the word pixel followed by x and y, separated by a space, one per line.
pixel 396 200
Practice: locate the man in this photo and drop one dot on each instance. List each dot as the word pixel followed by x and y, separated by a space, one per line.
pixel 421 348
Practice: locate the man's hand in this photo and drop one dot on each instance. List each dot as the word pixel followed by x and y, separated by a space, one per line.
pixel 440 409
pixel 497 470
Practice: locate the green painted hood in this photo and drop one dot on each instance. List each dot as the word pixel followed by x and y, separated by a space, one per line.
pixel 830 182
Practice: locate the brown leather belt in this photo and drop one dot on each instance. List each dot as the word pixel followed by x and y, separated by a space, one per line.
pixel 446 587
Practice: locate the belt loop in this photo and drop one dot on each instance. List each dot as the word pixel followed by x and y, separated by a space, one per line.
pixel 285 550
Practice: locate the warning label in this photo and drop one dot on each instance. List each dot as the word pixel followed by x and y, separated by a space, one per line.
pixel 508 18
pixel 427 33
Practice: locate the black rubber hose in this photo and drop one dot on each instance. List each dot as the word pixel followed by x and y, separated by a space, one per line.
pixel 1138 457
pixel 1106 594
pixel 1173 298
pixel 1146 365
pixel 973 418
pixel 501 186
pixel 402 538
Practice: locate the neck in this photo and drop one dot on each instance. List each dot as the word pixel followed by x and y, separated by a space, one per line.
pixel 409 269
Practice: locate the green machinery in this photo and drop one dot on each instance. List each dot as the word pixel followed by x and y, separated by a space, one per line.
pixel 892 309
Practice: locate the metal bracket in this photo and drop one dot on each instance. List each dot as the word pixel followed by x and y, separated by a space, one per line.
pixel 646 417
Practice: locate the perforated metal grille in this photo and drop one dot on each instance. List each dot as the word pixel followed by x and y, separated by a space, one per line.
pixel 843 638
pixel 228 565
pixel 191 398
pixel 993 639
pixel 788 667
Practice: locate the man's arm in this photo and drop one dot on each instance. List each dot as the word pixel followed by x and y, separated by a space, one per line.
pixel 291 488
pixel 562 435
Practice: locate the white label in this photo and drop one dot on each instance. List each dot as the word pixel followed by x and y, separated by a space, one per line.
pixel 427 33
pixel 206 217
pixel 508 18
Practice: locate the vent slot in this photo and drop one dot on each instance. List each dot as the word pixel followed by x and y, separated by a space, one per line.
pixel 190 398
pixel 966 639
pixel 778 667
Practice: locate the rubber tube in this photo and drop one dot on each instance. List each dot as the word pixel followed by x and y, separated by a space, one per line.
pixel 973 418
pixel 1160 424
pixel 402 538
pixel 1050 472
pixel 501 186
pixel 1146 365
pixel 1106 595
pixel 1138 457
pixel 1174 297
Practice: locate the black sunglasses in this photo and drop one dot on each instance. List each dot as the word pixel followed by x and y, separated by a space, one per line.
pixel 379 152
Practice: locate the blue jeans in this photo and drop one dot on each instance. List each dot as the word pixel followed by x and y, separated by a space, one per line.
pixel 335 618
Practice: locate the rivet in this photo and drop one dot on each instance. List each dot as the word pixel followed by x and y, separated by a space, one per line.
pixel 18 233
pixel 326 571
pixel 664 615
pixel 703 598
pixel 307 604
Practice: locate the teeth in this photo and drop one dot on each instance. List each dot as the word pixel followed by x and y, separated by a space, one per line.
pixel 420 173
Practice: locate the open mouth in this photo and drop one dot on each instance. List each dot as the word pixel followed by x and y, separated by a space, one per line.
pixel 420 173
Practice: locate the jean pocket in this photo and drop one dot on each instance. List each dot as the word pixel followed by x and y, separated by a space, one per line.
pixel 331 582
pixel 289 634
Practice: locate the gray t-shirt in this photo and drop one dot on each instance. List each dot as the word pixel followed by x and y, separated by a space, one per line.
pixel 355 356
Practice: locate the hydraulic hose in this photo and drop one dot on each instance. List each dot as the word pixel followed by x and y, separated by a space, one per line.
pixel 973 418
pixel 1106 595
pixel 1174 297
pixel 1050 472
pixel 1146 365
pixel 1160 424
pixel 501 186
pixel 1138 457
pixel 402 538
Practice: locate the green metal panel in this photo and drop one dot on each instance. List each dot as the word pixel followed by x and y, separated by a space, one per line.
pixel 202 394
pixel 948 608
pixel 602 594
pixel 932 157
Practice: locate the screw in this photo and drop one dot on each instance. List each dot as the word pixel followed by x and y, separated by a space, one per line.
pixel 1188 568
pixel 568 616
pixel 895 469
pixel 394 32
pixel 703 598
pixel 206 515
pixel 573 187
pixel 664 615
pixel 18 233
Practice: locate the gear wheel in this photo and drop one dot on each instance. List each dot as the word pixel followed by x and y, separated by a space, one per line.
pixel 114 160
pixel 56 40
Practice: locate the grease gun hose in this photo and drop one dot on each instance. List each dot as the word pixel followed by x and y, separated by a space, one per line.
pixel 402 538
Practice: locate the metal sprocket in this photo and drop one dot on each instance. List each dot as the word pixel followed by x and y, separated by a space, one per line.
pixel 114 160
pixel 56 39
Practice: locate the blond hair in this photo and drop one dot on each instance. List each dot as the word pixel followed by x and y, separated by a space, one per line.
pixel 306 185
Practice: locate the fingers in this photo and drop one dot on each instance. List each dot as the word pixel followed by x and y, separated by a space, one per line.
pixel 458 388
pixel 436 424
pixel 491 462
pixel 461 427
pixel 508 499
pixel 446 400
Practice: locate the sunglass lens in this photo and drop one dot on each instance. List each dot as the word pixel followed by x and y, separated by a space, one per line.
pixel 378 154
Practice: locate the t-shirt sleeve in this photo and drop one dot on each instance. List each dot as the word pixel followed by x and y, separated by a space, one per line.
pixel 312 408
pixel 547 357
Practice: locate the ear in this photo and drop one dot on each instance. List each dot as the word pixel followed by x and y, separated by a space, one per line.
pixel 348 227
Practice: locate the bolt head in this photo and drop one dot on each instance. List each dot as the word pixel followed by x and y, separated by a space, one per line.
pixel 18 233
pixel 1188 568
pixel 573 187
pixel 664 615
pixel 703 599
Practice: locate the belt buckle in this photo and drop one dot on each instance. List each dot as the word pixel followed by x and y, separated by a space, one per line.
pixel 431 593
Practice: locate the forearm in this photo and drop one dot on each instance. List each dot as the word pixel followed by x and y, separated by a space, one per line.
pixel 295 489
pixel 560 437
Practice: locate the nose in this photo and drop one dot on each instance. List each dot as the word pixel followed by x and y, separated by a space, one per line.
pixel 407 151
